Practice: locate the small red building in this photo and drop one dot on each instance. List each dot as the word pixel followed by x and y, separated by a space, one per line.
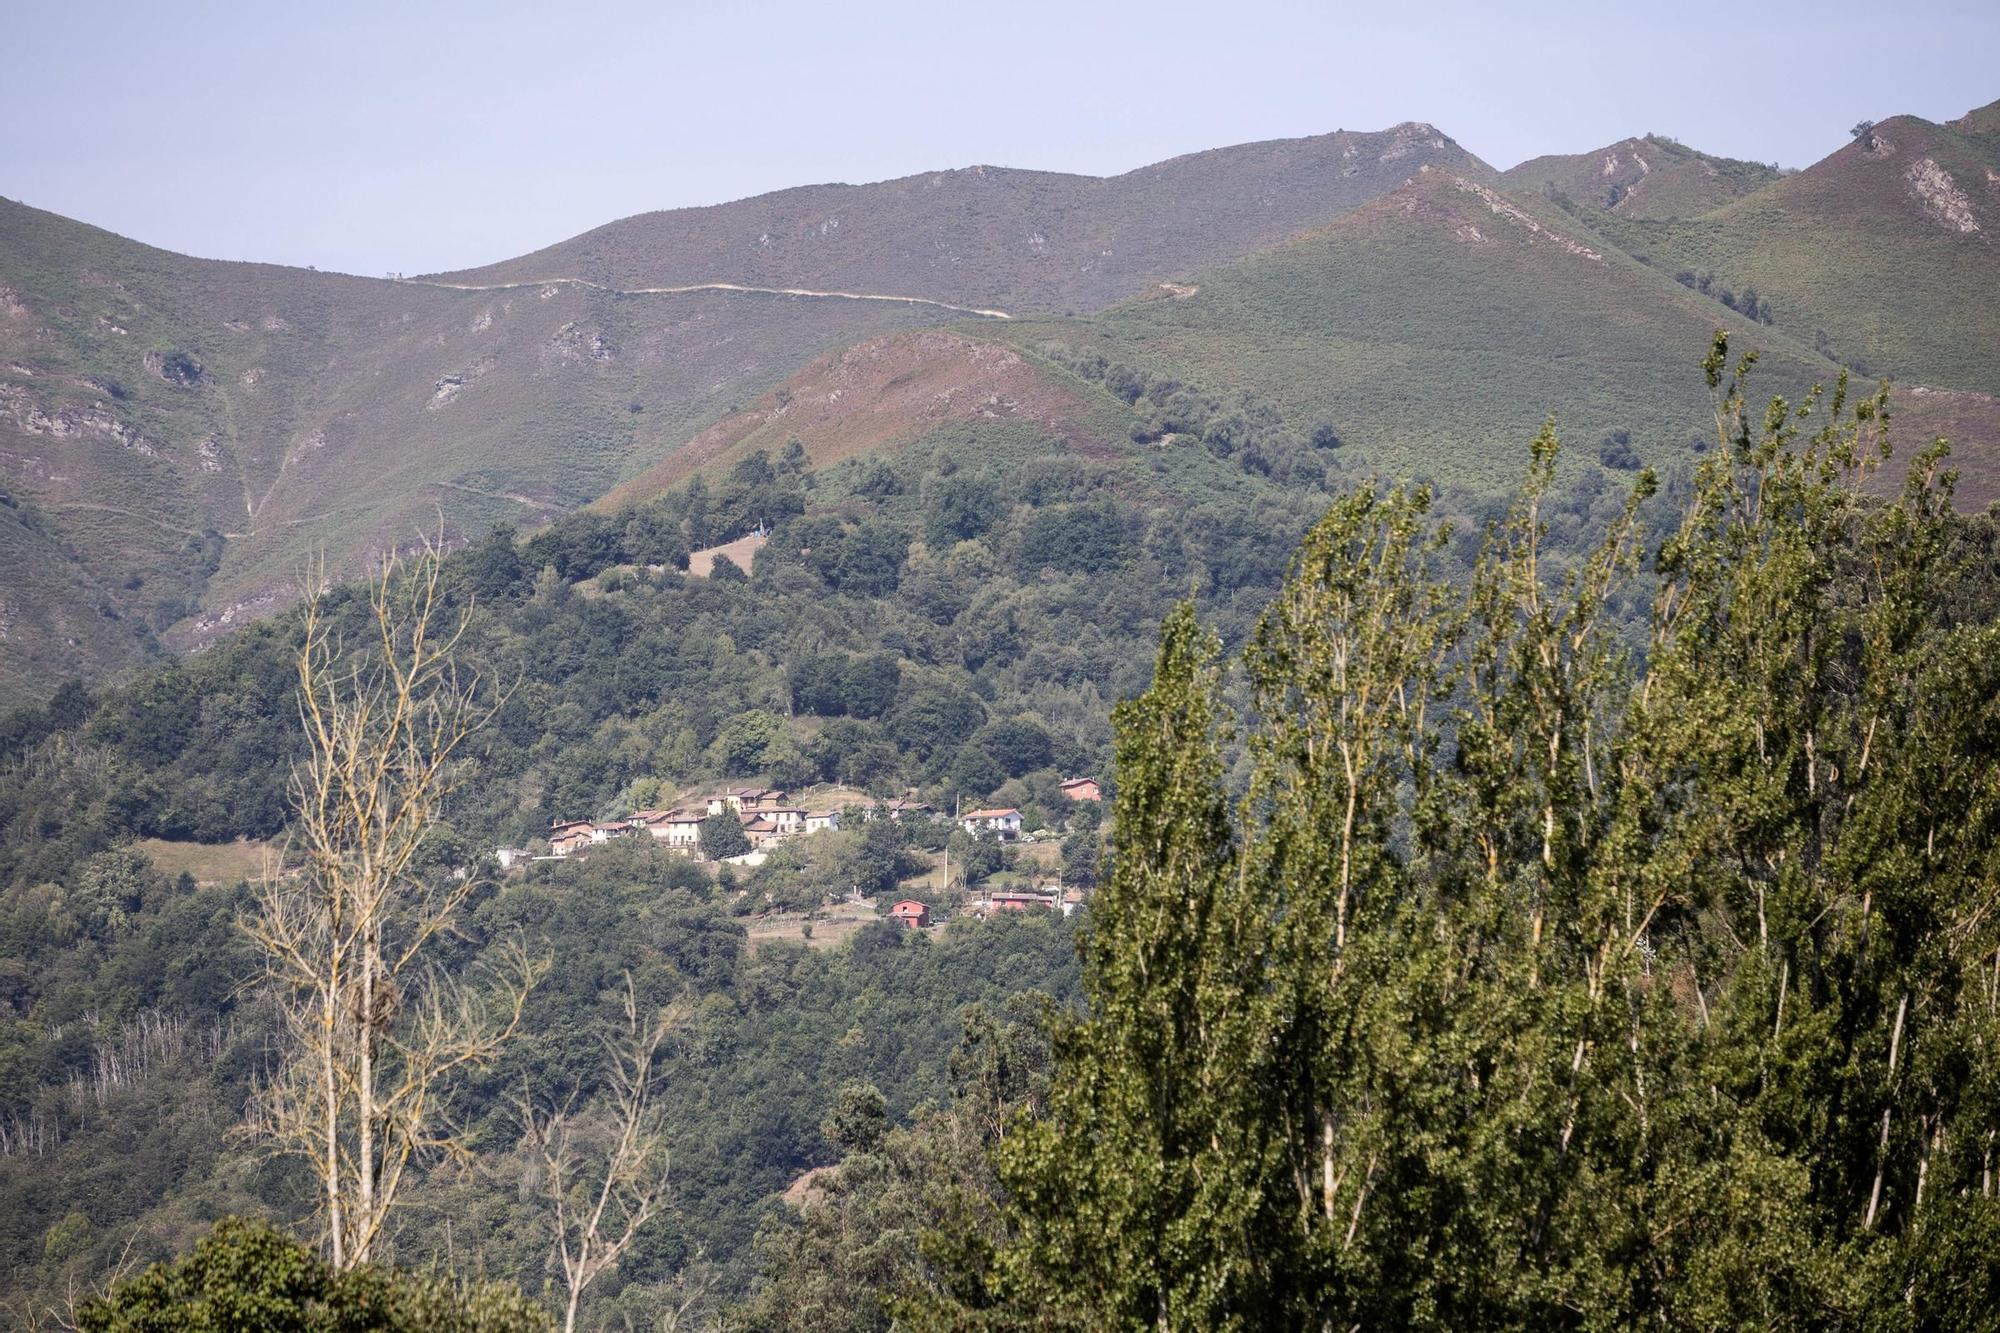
pixel 1083 789
pixel 913 914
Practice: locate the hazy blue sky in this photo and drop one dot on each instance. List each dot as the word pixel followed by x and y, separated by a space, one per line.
pixel 415 137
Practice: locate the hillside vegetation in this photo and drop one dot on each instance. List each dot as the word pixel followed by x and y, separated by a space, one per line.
pixel 189 432
pixel 1443 280
pixel 954 615
pixel 179 437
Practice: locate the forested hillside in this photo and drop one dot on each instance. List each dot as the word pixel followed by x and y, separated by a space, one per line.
pixel 954 615
pixel 1462 967
pixel 176 434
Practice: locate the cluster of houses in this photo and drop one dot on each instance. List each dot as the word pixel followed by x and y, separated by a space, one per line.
pixel 764 813
pixel 766 817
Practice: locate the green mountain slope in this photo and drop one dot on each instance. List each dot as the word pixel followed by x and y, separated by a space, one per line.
pixel 1435 328
pixel 1022 241
pixel 192 432
pixel 1884 252
pixel 1649 177
pixel 1431 332
pixel 187 434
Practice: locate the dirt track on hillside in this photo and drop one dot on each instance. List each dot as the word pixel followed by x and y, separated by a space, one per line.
pixel 708 287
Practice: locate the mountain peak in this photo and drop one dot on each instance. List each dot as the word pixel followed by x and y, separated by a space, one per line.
pixel 1649 176
pixel 1980 122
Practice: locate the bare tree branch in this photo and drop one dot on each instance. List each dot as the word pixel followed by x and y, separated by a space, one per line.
pixel 374 1031
pixel 605 1172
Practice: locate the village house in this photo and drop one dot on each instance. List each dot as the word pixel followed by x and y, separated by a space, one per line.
pixel 822 821
pixel 568 835
pixel 679 829
pixel 509 857
pixel 1004 823
pixel 899 808
pixel 760 829
pixel 606 832
pixel 1083 789
pixel 911 913
pixel 790 819
pixel 742 800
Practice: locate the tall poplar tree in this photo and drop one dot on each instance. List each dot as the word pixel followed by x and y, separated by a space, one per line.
pixel 1154 1221
pixel 1542 982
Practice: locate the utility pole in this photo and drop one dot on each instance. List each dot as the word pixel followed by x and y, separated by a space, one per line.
pixel 955 800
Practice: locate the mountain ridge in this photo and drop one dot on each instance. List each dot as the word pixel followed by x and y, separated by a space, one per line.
pixel 179 436
pixel 1040 251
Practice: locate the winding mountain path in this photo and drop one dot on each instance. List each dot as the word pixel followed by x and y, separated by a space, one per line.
pixel 707 287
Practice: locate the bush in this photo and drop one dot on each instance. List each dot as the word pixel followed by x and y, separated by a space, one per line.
pixel 722 836
pixel 245 1275
pixel 1615 451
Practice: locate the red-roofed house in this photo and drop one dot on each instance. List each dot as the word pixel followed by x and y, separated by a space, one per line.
pixel 567 835
pixel 760 829
pixel 744 800
pixel 1083 789
pixel 913 914
pixel 679 829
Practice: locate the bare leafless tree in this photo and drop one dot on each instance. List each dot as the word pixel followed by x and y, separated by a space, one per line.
pixel 604 1170
pixel 375 1032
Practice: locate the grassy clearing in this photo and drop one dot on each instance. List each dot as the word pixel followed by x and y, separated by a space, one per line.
pixel 830 928
pixel 742 553
pixel 210 863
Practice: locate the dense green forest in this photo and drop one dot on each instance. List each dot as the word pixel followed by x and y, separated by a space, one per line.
pixel 131 1068
pixel 955 619
pixel 1557 913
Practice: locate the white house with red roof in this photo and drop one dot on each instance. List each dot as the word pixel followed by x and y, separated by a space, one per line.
pixel 1004 823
